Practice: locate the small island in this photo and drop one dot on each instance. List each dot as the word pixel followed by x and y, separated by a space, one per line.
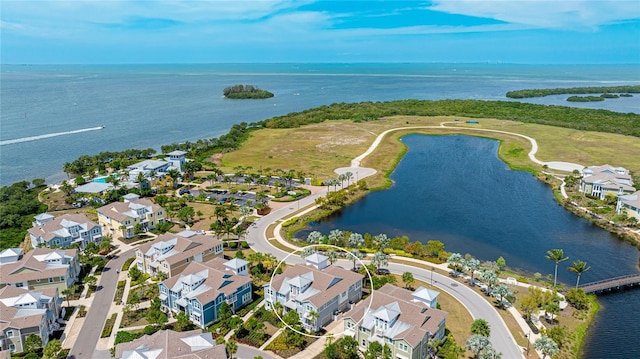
pixel 572 91
pixel 586 98
pixel 245 92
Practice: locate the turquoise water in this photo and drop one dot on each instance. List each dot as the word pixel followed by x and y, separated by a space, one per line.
pixel 103 179
pixel 146 106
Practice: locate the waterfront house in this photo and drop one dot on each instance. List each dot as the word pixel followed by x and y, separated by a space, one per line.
pixel 63 231
pixel 399 318
pixel 316 291
pixel 171 253
pixel 177 159
pixel 120 218
pixel 167 344
pixel 630 205
pixel 41 268
pixel 24 312
pixel 201 289
pixel 600 181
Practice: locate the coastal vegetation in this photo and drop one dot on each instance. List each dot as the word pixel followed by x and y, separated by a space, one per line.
pixel 585 98
pixel 528 93
pixel 245 92
pixel 18 203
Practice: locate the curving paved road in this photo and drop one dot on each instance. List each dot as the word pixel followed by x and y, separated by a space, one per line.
pixel 97 315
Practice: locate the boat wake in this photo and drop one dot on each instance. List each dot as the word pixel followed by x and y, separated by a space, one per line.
pixel 48 135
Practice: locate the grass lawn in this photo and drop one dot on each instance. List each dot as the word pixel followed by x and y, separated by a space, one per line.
pixel 315 150
pixel 134 318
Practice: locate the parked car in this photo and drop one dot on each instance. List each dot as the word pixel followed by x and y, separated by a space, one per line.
pixel 184 191
pixel 383 271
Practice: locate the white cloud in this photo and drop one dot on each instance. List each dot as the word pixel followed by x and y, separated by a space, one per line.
pixel 558 14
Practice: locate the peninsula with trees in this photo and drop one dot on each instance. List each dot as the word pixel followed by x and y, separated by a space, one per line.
pixel 246 92
pixel 606 92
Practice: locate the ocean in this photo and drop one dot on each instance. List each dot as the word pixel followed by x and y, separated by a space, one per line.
pixel 54 114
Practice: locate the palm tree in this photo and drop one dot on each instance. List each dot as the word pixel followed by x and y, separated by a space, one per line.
pixel 472 265
pixel 476 343
pixel 502 291
pixel 307 251
pixel 232 347
pixel 489 352
pixel 355 240
pixel 67 292
pixel 335 237
pixel 349 176
pixel 379 260
pixel 313 316
pixel 547 346
pixel 490 278
pixel 314 237
pixel 456 261
pixel 332 255
pixel 556 255
pixel 382 241
pixel 578 267
pixel 356 254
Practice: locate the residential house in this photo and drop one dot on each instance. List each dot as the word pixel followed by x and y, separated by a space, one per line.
pixel 147 167
pixel 316 291
pixel 41 268
pixel 236 265
pixel 402 319
pixel 24 312
pixel 201 289
pixel 630 205
pixel 64 231
pixel 167 344
pixel 120 218
pixel 171 253
pixel 600 181
pixel 10 255
pixel 177 159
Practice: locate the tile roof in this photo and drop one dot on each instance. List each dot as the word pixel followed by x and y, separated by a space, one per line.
pixel 32 266
pixel 178 248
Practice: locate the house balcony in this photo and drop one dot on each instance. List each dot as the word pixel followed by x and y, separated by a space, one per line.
pixel 231 300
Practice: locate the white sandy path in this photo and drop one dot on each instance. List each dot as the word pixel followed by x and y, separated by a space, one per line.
pixel 563 166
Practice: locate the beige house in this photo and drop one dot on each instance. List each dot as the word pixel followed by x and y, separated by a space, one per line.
pixel 314 290
pixel 171 253
pixel 41 268
pixel 64 231
pixel 399 318
pixel 120 218
pixel 630 205
pixel 167 344
pixel 24 312
pixel 600 181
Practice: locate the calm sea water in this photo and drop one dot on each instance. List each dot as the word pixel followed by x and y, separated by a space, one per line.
pixel 455 189
pixel 146 106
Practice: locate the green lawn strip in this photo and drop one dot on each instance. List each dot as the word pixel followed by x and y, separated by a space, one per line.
pixel 117 298
pixel 127 263
pixel 108 326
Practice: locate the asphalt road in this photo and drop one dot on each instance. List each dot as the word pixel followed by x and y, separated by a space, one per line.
pixel 97 315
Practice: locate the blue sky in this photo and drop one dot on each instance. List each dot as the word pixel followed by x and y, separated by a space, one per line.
pixel 145 31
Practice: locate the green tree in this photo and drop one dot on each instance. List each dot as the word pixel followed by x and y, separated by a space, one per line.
pixel 224 312
pixel 157 317
pixel 332 255
pixel 456 261
pixel 182 321
pixel 67 293
pixel 434 248
pixel 502 291
pixel 314 237
pixel 379 260
pixel 481 327
pixel 52 348
pixel 134 273
pixel 382 241
pixel 501 263
pixel 407 278
pixel 32 343
pixel 232 347
pixel 476 343
pixel 374 351
pixel 578 267
pixel 547 346
pixel 355 240
pixel 349 347
pixel 556 255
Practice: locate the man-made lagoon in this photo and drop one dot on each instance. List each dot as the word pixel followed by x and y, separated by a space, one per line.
pixel 455 189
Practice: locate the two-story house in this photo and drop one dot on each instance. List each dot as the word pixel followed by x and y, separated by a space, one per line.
pixel 316 291
pixel 120 218
pixel 630 205
pixel 41 268
pixel 600 181
pixel 171 253
pixel 167 344
pixel 64 231
pixel 202 288
pixel 24 312
pixel 399 318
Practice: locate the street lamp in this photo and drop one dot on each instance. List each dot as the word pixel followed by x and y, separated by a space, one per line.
pixel 432 269
pixel 528 336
